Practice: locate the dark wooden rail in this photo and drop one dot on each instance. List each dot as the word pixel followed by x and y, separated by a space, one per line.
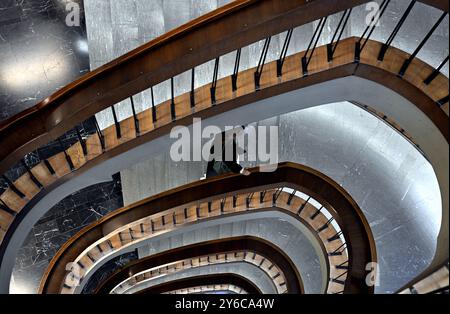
pixel 209 289
pixel 138 70
pixel 260 246
pixel 411 86
pixel 360 244
pixel 226 29
pixel 287 202
pixel 216 279
pixel 248 257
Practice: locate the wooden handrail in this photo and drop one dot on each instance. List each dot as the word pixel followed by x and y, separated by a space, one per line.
pixel 406 87
pixel 224 278
pixel 228 28
pixel 410 87
pixel 242 243
pixel 360 243
pixel 270 86
pixel 288 203
pixel 221 258
pixel 209 289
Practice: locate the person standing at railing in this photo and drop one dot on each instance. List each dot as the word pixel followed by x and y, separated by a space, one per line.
pixel 226 140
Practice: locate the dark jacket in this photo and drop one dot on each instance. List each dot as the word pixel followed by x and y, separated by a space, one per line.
pixel 218 167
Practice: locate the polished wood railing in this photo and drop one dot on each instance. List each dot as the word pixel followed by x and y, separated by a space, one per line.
pixel 224 30
pixel 203 199
pixel 201 40
pixel 216 279
pixel 209 289
pixel 315 217
pixel 255 251
pixel 83 155
pixel 134 283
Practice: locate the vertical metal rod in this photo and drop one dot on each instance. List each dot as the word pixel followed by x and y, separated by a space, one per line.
pixel 374 21
pixel 331 49
pixel 153 105
pixel 49 167
pixel 335 237
pixel 81 140
pixel 318 32
pixel 303 206
pixel 136 120
pixel 291 196
pixel 193 88
pixel 100 134
pixel 443 101
pixel 214 81
pixel 316 213
pixel 68 159
pixel 234 76
pixel 280 61
pixel 338 250
pixel 435 73
pixel 13 187
pixel 262 194
pixel 325 225
pixel 116 122
pixel 6 208
pixel 32 176
pixel 172 102
pixel 414 54
pixel 388 43
pixel 262 60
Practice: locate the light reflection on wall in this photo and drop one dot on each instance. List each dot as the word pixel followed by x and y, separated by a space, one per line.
pixel 32 72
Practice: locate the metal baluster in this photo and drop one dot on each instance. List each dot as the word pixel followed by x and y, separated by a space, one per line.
pixel 435 73
pixel 32 176
pixel 6 208
pixel 234 76
pixel 100 134
pixel 172 102
pixel 193 88
pixel 136 120
pixel 82 141
pixel 375 19
pixel 414 54
pixel 442 101
pixel 116 122
pixel 153 106
pixel 214 81
pixel 331 49
pixel 13 187
pixel 280 61
pixel 49 167
pixel 388 43
pixel 68 159
pixel 262 60
pixel 317 32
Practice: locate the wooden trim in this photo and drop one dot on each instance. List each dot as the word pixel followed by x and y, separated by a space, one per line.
pixel 247 257
pixel 169 220
pixel 208 289
pixel 360 243
pixel 411 87
pixel 226 29
pixel 244 243
pixel 225 278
